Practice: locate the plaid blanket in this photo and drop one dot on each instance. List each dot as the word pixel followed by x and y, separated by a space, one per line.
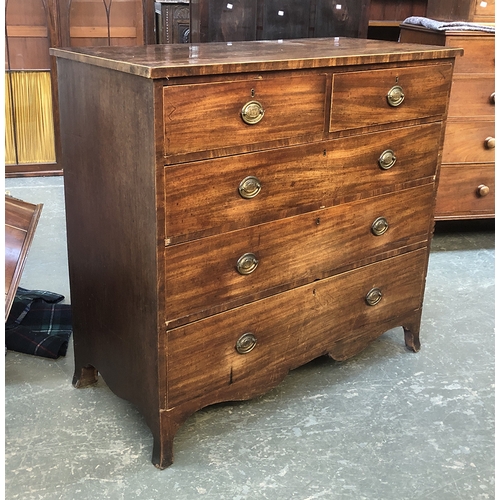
pixel 38 324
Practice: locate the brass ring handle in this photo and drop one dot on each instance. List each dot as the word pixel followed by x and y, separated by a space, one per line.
pixel 492 98
pixel 482 190
pixel 252 112
pixel 380 226
pixel 246 343
pixel 247 263
pixel 395 96
pixel 387 159
pixel 373 297
pixel 249 187
pixel 489 143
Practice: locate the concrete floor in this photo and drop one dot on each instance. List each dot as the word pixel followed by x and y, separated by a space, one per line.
pixel 386 425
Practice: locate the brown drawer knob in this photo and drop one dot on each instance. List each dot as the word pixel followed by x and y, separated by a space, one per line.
pixel 489 143
pixel 249 187
pixel 252 112
pixel 482 190
pixel 246 343
pixel 247 263
pixel 387 159
pixel 373 297
pixel 395 96
pixel 492 98
pixel 380 226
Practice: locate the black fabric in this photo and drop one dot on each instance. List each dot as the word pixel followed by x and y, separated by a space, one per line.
pixel 38 324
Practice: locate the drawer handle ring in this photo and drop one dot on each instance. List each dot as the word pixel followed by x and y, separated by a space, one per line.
pixel 373 297
pixel 249 187
pixel 380 226
pixel 246 343
pixel 247 263
pixel 482 190
pixel 395 96
pixel 252 112
pixel 387 159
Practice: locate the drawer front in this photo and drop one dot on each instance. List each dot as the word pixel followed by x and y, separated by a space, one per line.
pixel 360 99
pixel 290 329
pixel 213 115
pixel 468 142
pixel 215 273
pixel 472 96
pixel 479 53
pixel 466 190
pixel 204 198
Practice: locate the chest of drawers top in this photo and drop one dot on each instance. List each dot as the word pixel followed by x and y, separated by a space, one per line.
pixel 181 60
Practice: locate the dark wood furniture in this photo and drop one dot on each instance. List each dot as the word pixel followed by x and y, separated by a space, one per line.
pixel 237 210
pixel 478 11
pixel 172 21
pixel 385 17
pixel 467 180
pixel 217 21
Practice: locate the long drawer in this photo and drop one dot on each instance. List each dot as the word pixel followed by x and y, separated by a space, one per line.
pixel 284 331
pixel 212 274
pixel 472 95
pixel 214 115
pixel 365 98
pixel 466 191
pixel 224 194
pixel 467 142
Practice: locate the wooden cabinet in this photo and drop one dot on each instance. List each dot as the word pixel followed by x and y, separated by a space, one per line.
pixel 237 210
pixel 467 181
pixel 216 21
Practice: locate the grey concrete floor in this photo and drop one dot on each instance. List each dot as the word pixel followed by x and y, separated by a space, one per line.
pixel 386 425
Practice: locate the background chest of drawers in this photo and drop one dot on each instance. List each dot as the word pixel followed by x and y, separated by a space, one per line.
pixel 237 210
pixel 467 181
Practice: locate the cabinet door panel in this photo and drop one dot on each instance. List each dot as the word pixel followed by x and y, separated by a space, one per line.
pixel 232 21
pixel 341 18
pixel 288 19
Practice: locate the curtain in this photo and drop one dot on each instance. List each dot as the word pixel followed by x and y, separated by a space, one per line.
pixel 29 123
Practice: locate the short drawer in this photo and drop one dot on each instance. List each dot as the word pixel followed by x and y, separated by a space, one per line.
pixel 479 53
pixel 469 141
pixel 215 273
pixel 365 98
pixel 472 96
pixel 466 191
pixel 223 194
pixel 290 329
pixel 237 113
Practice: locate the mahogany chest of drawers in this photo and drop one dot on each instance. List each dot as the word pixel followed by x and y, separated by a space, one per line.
pixel 237 210
pixel 467 181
